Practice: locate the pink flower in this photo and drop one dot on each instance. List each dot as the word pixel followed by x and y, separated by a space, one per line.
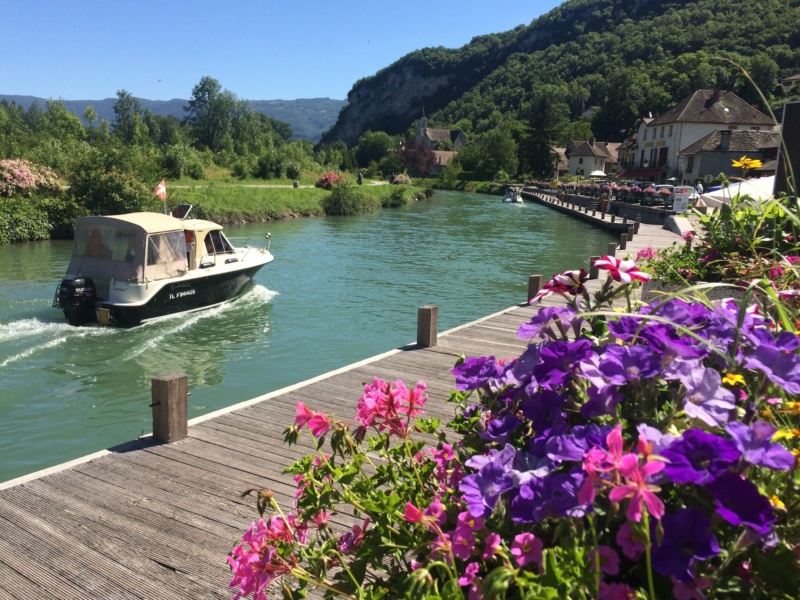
pixel 412 514
pixel 319 424
pixel 637 488
pixel 303 414
pixel 470 571
pixel 352 540
pixel 624 271
pixel 467 520
pixel 616 591
pixel 609 560
pixel 491 544
pixel 630 544
pixel 691 590
pixel 463 541
pixel 688 236
pixel 646 254
pixel 527 548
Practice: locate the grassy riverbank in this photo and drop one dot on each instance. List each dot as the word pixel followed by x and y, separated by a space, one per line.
pixel 239 202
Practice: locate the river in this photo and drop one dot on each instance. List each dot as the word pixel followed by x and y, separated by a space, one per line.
pixel 341 289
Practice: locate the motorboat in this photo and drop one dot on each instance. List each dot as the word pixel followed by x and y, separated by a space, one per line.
pixel 512 196
pixel 132 268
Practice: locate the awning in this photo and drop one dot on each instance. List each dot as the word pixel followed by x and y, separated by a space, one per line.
pixel 640 174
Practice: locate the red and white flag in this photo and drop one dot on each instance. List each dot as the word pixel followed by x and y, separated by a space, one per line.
pixel 161 190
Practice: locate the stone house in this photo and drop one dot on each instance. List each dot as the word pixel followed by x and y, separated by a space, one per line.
pixel 659 143
pixel 716 152
pixel 432 136
pixel 789 83
pixel 586 157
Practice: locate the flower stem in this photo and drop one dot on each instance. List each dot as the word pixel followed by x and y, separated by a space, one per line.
pixel 650 587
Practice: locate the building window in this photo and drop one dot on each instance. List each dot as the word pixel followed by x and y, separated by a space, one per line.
pixel 580 161
pixel 670 131
pixel 645 135
pixel 690 164
pixel 755 128
pixel 732 127
pixel 662 131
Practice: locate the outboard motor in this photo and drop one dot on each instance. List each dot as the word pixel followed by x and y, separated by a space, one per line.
pixel 77 297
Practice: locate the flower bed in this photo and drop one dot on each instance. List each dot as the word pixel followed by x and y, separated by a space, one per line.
pixel 645 454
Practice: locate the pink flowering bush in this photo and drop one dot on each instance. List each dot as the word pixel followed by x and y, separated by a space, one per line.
pixel 328 180
pixel 23 178
pixel 645 454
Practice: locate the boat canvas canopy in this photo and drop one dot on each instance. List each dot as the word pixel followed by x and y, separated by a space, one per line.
pixel 140 247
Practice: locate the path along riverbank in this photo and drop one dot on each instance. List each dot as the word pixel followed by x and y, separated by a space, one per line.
pixel 155 520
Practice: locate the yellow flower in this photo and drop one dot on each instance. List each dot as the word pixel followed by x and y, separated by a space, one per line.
pixel 785 434
pixel 792 408
pixel 733 379
pixel 776 503
pixel 747 163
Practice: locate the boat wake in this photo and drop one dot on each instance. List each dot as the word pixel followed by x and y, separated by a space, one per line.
pixel 26 338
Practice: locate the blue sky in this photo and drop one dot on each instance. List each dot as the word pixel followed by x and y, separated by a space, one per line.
pixel 259 50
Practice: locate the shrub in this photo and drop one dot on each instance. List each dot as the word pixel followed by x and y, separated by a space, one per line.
pixel 328 180
pixel 24 178
pixel 397 197
pixel 401 180
pixel 293 171
pixel 348 200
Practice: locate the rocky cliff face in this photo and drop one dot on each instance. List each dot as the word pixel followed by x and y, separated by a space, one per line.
pixel 389 102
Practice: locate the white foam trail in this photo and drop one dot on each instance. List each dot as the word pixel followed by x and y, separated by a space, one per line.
pixel 33 350
pixel 258 295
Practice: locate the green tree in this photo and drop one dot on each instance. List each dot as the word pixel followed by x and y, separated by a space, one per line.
pixel 210 115
pixel 128 117
pixel 499 150
pixel 372 146
pixel 543 117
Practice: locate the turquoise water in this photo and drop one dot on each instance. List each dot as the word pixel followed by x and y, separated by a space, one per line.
pixel 340 290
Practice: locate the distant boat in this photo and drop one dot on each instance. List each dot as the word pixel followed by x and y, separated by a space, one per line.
pixel 512 196
pixel 137 267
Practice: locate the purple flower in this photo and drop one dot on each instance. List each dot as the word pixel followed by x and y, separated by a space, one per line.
pixel 527 501
pixel 482 489
pixel 540 322
pixel 621 364
pixel 474 373
pixel 740 503
pixel 626 328
pixel 463 540
pixel 559 360
pixel 699 457
pixel 756 445
pixel 499 430
pixel 602 401
pixel 545 409
pixel 779 367
pixel 706 398
pixel 687 538
pixel 560 496
pixel 571 444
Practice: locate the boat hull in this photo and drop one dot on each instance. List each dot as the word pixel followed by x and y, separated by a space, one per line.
pixel 180 296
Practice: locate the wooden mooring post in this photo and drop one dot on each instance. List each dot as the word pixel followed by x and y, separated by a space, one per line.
pixel 623 241
pixel 170 407
pixel 427 326
pixel 594 272
pixel 534 285
pixel 612 249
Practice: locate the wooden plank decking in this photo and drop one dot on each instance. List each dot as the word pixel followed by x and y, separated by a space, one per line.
pixel 148 520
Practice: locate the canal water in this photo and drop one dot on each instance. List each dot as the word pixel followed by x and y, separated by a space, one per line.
pixel 340 290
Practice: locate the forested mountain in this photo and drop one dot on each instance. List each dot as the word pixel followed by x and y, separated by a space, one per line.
pixel 308 117
pixel 606 62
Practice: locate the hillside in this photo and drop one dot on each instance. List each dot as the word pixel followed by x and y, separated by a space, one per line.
pixel 309 118
pixel 618 58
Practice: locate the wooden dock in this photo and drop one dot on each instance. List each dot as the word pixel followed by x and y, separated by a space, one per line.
pixel 151 520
